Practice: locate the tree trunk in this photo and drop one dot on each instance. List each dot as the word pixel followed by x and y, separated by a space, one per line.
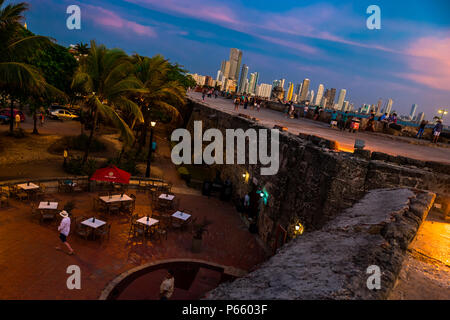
pixel 91 135
pixel 142 139
pixel 11 120
pixel 35 131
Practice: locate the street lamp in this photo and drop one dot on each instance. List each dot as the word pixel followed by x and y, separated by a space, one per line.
pixel 150 149
pixel 442 112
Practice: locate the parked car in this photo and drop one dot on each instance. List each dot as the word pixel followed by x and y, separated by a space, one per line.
pixel 7 112
pixel 62 114
pixel 4 119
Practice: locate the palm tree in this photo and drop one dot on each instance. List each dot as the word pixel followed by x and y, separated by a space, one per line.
pixel 82 48
pixel 162 94
pixel 17 77
pixel 106 77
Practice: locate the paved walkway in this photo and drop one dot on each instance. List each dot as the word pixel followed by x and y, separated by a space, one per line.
pixel 374 142
pixel 31 268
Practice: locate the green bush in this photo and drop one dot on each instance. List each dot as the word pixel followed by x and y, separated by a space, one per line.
pixel 77 143
pixel 128 164
pixel 74 166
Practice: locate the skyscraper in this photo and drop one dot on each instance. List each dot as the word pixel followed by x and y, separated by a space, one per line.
pixel 413 111
pixel 345 106
pixel 253 82
pixel 379 104
pixel 304 91
pixel 235 63
pixel 311 96
pixel 290 91
pixel 244 74
pixel 330 94
pixel 319 95
pixel 298 90
pixel 341 99
pixel 388 108
pixel 420 117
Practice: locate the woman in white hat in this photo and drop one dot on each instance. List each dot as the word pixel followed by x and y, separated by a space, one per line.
pixel 64 229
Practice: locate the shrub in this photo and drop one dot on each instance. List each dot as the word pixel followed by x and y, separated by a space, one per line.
pixel 77 143
pixel 127 163
pixel 74 166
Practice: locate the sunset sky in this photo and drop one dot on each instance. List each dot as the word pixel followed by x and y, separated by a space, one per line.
pixel 328 42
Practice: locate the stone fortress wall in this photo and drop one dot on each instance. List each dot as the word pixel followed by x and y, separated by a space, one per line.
pixel 315 182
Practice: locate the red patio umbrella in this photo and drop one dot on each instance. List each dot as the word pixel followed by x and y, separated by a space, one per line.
pixel 111 174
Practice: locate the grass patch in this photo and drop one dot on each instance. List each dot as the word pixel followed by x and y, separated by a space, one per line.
pixel 76 143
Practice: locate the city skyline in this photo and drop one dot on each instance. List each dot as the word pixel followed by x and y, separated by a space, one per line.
pixel 407 60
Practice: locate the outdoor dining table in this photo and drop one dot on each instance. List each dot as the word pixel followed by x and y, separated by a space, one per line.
pixel 115 198
pixel 27 187
pixel 93 224
pixel 181 215
pixel 45 205
pixel 148 223
pixel 168 197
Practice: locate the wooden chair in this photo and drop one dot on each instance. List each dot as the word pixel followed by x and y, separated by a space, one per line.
pixel 103 232
pixel 21 194
pixel 47 215
pixel 40 193
pixel 4 200
pixel 81 230
pixel 114 208
pixel 35 213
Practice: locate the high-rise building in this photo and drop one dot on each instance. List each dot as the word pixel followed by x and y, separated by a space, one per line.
pixel 388 107
pixel 311 96
pixel 253 82
pixel 235 63
pixel 226 69
pixel 297 91
pixel 379 105
pixel 246 86
pixel 420 117
pixel 330 95
pixel 290 91
pixel 324 102
pixel 319 95
pixel 244 74
pixel 219 75
pixel 345 106
pixel 264 90
pixel 282 81
pixel 304 91
pixel 413 111
pixel 341 99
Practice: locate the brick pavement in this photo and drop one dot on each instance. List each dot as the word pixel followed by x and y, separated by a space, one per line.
pixel 31 268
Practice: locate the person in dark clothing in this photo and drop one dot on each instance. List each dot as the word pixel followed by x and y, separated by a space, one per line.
pixel 437 131
pixel 422 126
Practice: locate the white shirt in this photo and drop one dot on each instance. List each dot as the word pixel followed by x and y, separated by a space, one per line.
pixel 167 286
pixel 64 226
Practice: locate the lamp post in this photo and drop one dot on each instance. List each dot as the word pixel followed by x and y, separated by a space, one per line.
pixel 150 149
pixel 442 113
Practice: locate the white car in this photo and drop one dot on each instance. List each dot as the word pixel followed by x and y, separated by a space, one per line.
pixel 62 114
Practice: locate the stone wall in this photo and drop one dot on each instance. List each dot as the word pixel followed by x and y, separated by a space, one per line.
pixel 315 182
pixel 332 263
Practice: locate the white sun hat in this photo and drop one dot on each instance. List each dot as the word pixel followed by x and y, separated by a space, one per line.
pixel 64 214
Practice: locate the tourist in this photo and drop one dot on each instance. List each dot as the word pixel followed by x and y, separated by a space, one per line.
pixel 246 201
pixel 317 113
pixel 422 126
pixel 236 103
pixel 437 131
pixel 203 94
pixel 371 123
pixel 291 110
pixel 343 121
pixel 333 121
pixel 216 94
pixel 64 229
pixel 167 286
pixel 258 104
pixel 305 111
pixel 383 117
pixel 245 103
pixel 17 118
pixel 41 117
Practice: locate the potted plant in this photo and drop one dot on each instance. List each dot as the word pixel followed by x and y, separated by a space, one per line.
pixel 198 230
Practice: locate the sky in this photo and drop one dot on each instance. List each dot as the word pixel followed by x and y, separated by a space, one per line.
pixel 328 42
